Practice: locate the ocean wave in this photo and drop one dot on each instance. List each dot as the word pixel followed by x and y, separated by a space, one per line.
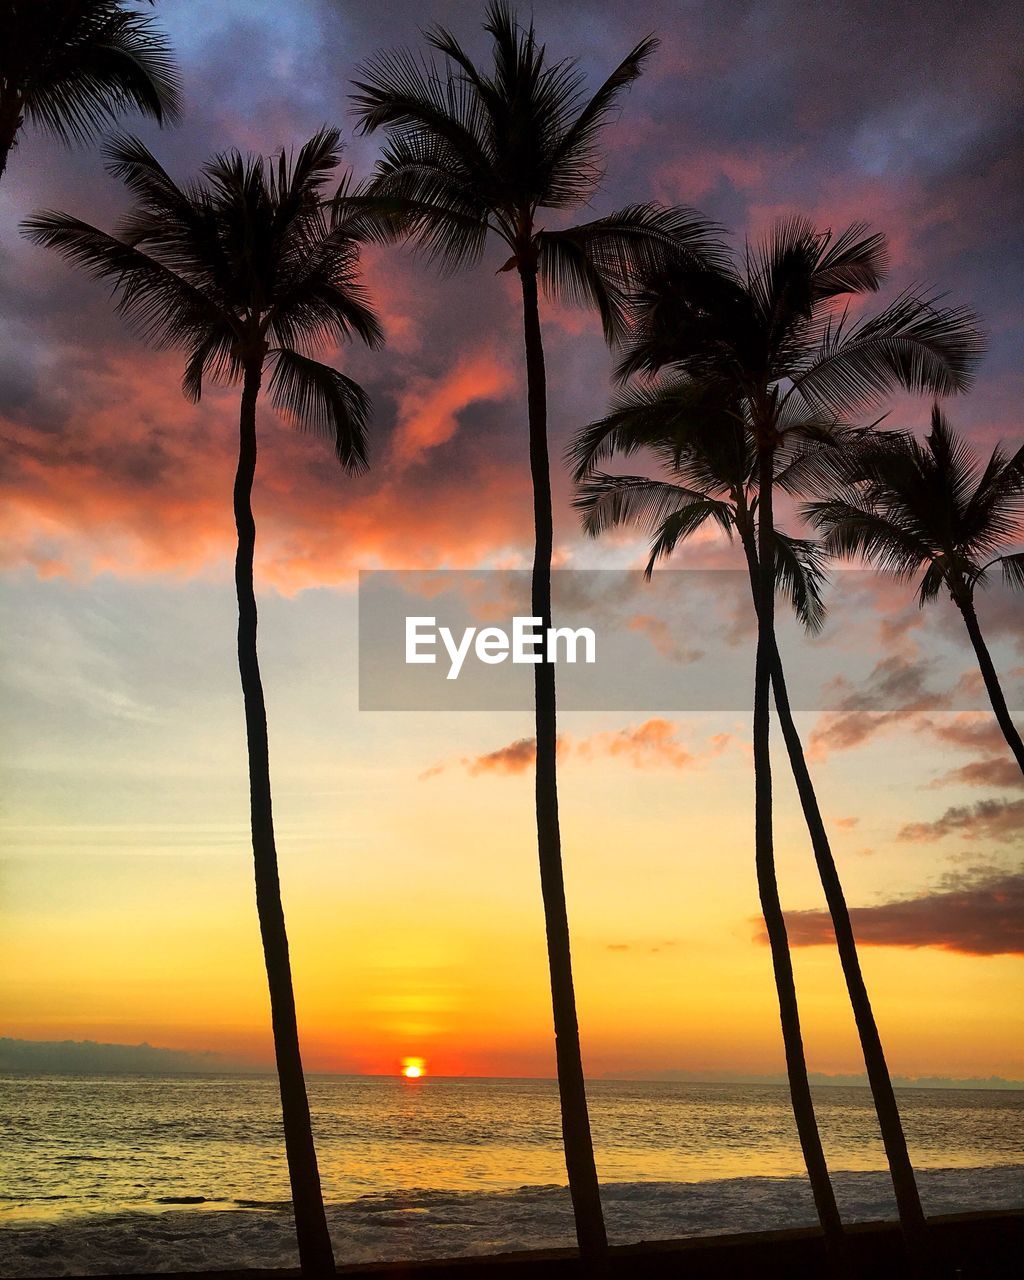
pixel 428 1224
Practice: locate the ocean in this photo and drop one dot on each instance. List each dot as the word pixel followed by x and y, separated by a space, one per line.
pixel 130 1173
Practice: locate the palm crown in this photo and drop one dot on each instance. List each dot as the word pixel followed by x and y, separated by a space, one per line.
pixel 930 508
pixel 470 152
pixel 773 332
pixel 708 475
pixel 73 66
pixel 238 267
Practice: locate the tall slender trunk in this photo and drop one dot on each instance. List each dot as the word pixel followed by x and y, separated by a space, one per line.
pixel 988 674
pixel 579 1146
pixel 768 887
pixel 315 1256
pixel 908 1200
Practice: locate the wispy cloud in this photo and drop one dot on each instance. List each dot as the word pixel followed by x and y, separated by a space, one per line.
pixel 656 743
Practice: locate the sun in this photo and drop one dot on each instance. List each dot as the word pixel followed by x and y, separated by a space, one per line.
pixel 413 1068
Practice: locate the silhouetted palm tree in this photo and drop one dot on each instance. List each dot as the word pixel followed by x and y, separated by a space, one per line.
pixel 769 336
pixel 933 509
pixel 73 66
pixel 709 466
pixel 243 270
pixel 471 152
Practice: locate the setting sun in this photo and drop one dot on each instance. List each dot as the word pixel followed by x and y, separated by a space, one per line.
pixel 413 1068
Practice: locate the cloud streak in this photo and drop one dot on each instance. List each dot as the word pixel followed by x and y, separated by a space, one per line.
pixel 983 916
pixel 1001 820
pixel 653 744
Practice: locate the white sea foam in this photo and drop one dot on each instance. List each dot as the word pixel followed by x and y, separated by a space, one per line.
pixel 424 1224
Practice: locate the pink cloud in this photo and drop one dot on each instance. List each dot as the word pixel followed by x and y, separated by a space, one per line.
pixel 428 409
pixel 653 744
pixel 136 481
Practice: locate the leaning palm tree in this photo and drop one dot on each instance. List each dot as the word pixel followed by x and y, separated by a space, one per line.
pixel 73 66
pixel 933 509
pixel 472 152
pixel 770 340
pixel 244 271
pixel 708 475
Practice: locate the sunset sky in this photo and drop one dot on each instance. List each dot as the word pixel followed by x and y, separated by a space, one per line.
pixel 407 845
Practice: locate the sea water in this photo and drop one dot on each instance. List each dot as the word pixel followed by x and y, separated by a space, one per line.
pixel 129 1173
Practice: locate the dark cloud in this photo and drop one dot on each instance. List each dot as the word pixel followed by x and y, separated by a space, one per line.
pixel 984 773
pixel 1001 820
pixel 896 690
pixel 900 693
pixel 972 732
pixel 981 915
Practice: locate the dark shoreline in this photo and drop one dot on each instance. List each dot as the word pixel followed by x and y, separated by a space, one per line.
pixel 973 1246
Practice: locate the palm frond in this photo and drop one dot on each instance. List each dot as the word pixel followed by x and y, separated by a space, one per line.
pixel 416 197
pixel 696 317
pixel 682 523
pixel 932 581
pixel 607 501
pixel 855 261
pixel 599 262
pixel 672 417
pixel 162 307
pixel 155 191
pixel 801 577
pixel 78 67
pixel 470 150
pixel 570 272
pixel 1012 566
pixel 912 345
pixel 851 530
pixel 407 96
pixel 323 401
pixel 575 162
pixel 214 355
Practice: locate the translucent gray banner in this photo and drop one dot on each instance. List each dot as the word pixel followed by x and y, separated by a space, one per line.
pixel 447 640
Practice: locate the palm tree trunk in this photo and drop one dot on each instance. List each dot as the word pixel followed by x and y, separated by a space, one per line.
pixel 315 1255
pixel 579 1147
pixel 908 1200
pixel 768 887
pixel 988 674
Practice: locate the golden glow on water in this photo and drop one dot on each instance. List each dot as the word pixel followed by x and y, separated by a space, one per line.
pixel 413 1068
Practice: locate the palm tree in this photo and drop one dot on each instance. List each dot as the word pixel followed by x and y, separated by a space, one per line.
pixel 74 66
pixel 768 342
pixel 709 469
pixel 933 509
pixel 244 271
pixel 472 152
